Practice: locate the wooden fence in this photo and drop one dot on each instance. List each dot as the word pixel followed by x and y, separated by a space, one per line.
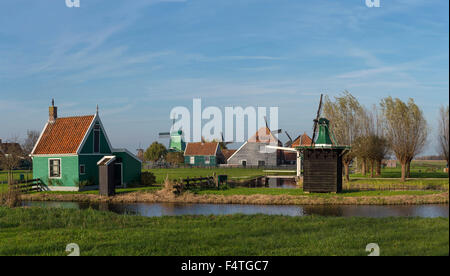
pixel 198 182
pixel 28 186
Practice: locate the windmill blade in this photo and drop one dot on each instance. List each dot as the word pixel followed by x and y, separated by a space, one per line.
pixel 277 131
pixel 265 120
pixel 289 136
pixel 223 140
pixel 317 119
pixel 164 134
pixel 319 111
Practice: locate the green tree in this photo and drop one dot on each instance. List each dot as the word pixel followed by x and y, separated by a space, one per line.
pixel 345 115
pixel 175 158
pixel 406 130
pixel 155 152
pixel 443 133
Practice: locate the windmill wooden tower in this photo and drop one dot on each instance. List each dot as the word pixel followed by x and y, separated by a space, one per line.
pixel 323 159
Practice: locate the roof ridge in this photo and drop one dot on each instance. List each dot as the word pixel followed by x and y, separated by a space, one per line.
pixel 77 116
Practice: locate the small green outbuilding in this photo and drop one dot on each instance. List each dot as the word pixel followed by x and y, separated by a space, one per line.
pixel 203 154
pixel 66 155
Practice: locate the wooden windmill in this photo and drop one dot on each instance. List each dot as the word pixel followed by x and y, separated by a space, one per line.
pixel 323 159
pixel 176 143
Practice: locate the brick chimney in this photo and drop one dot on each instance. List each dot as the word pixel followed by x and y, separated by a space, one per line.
pixel 52 112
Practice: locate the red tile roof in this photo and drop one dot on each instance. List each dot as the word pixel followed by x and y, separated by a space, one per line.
pixel 201 148
pixel 64 136
pixel 227 153
pixel 263 135
pixel 306 141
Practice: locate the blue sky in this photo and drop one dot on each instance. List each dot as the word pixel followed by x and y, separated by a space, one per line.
pixel 139 59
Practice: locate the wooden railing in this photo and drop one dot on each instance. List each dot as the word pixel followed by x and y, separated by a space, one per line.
pixel 197 182
pixel 28 186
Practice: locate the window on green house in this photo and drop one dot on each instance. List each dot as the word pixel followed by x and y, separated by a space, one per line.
pixel 96 140
pixel 54 168
pixel 207 159
pixel 82 169
pixel 192 160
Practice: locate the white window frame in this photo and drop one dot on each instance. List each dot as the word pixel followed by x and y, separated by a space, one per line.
pixel 207 159
pixel 192 160
pixel 60 168
pixel 84 169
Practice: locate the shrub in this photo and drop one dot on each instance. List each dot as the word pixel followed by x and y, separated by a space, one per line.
pixel 147 179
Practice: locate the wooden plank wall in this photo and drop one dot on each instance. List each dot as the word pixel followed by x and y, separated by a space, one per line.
pixel 322 171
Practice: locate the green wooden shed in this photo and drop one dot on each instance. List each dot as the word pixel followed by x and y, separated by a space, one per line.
pixel 66 155
pixel 203 154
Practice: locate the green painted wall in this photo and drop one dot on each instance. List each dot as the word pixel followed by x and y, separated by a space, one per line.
pixel 89 145
pixel 91 169
pixel 69 171
pixel 200 160
pixel 131 168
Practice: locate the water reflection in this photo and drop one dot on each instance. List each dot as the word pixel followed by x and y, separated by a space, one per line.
pixel 174 209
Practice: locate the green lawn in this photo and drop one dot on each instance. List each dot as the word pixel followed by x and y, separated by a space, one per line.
pixel 16 174
pixel 383 183
pixel 419 169
pixel 233 173
pixel 34 231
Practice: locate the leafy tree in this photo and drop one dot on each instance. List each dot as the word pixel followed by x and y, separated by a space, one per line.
pixel 155 151
pixel 345 114
pixel 406 130
pixel 175 158
pixel 443 133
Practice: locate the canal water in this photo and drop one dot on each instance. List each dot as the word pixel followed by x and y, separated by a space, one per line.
pixel 175 209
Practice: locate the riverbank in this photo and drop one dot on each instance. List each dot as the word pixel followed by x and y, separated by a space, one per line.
pixel 106 233
pixel 228 197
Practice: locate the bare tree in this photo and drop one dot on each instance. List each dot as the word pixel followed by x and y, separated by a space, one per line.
pixel 406 130
pixel 30 141
pixel 345 115
pixel 10 156
pixel 443 132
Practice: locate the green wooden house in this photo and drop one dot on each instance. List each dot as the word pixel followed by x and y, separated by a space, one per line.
pixel 66 155
pixel 203 154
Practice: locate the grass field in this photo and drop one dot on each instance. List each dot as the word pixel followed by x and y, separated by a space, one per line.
pixel 233 173
pixel 419 169
pixel 16 174
pixel 34 231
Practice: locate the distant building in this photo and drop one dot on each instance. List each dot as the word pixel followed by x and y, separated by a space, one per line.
pixel 391 163
pixel 203 154
pixel 254 152
pixel 10 148
pixel 67 153
pixel 302 140
pixel 227 153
